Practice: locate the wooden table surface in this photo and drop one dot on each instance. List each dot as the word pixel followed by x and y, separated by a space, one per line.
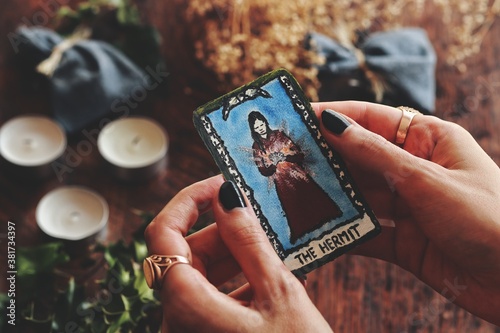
pixel 355 294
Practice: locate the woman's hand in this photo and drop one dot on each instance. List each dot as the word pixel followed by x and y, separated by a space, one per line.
pixel 273 300
pixel 441 190
pixel 277 157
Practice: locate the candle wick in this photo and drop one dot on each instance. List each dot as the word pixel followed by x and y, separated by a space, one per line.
pixel 29 143
pixel 135 140
pixel 74 217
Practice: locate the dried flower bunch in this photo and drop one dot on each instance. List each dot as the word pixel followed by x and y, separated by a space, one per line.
pixel 242 39
pixel 476 17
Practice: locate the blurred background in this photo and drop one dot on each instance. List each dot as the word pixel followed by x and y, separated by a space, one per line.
pixel 191 52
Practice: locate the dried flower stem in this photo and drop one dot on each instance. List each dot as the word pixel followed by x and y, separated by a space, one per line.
pixel 242 39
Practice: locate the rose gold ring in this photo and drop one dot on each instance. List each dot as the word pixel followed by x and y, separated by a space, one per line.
pixel 404 125
pixel 156 266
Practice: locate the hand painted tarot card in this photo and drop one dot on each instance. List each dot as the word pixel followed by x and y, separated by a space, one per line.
pixel 265 137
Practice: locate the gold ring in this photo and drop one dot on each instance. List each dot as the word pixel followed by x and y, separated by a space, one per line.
pixel 404 125
pixel 156 266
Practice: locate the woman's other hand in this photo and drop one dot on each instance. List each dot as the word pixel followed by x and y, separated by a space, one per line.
pixel 441 190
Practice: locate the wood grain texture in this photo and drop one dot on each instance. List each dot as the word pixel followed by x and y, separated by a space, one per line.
pixel 354 294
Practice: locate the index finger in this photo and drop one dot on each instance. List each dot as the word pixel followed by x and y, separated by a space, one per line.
pixel 381 119
pixel 165 234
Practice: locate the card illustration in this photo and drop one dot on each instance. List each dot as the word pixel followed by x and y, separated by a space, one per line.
pixel 264 136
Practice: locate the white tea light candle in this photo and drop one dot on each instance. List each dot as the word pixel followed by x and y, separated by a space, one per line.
pixel 136 147
pixel 72 213
pixel 32 142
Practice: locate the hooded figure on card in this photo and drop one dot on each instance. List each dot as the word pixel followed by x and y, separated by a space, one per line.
pixel 279 158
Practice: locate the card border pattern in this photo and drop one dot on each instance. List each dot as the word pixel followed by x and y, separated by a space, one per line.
pixel 230 171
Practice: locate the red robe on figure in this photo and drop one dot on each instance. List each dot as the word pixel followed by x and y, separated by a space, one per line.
pixel 305 204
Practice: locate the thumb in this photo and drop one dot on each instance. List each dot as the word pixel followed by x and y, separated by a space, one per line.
pixel 241 232
pixel 365 149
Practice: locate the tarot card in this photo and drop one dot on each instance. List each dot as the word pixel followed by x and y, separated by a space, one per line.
pixel 265 137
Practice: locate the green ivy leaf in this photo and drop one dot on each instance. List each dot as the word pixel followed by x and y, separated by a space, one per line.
pixel 35 266
pixel 122 324
pixel 67 12
pixel 127 13
pixel 48 309
pixel 42 258
pixel 141 250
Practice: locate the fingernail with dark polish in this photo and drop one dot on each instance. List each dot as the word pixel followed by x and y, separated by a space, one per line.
pixel 334 121
pixel 230 196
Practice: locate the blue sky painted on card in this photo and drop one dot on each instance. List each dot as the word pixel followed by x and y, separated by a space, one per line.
pixel 235 132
